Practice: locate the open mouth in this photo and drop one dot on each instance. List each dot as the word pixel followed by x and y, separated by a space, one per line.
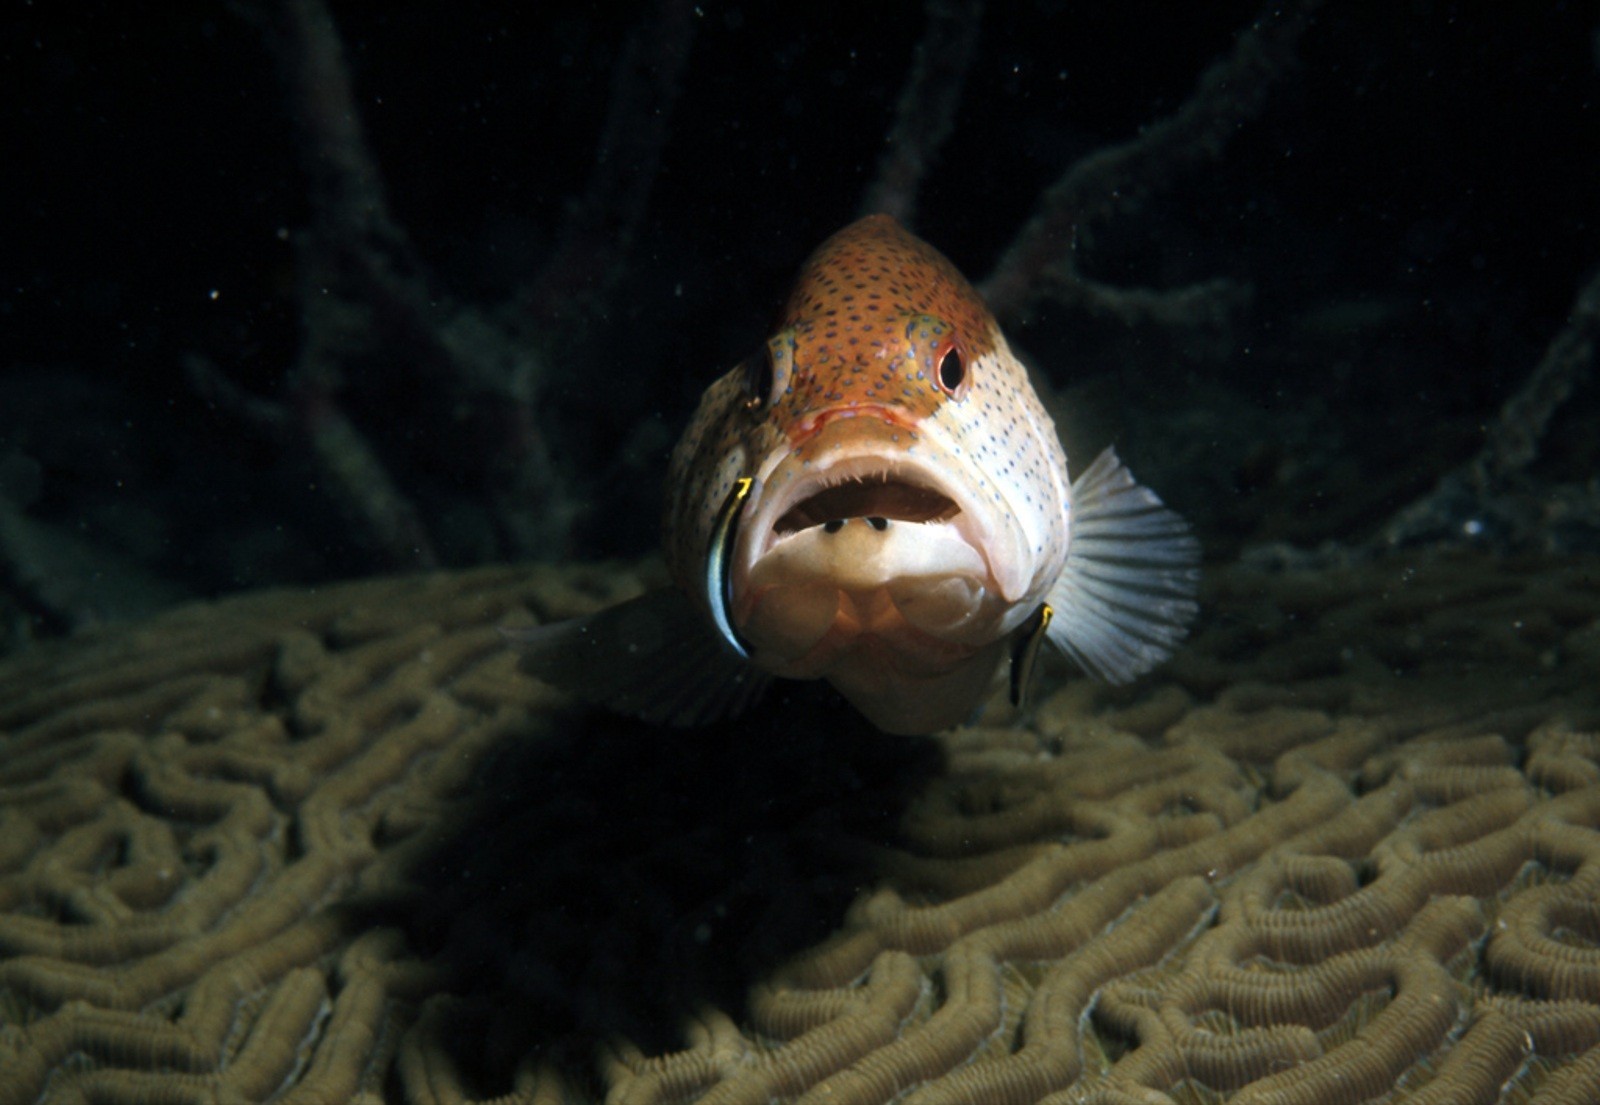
pixel 878 497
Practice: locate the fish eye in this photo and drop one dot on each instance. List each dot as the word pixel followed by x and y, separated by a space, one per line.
pixel 952 371
pixel 765 374
pixel 758 380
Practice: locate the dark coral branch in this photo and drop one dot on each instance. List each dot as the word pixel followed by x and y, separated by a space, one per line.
pixel 600 225
pixel 367 298
pixel 1117 180
pixel 1480 498
pixel 352 259
pixel 386 520
pixel 1568 363
pixel 1208 304
pixel 346 184
pixel 362 485
pixel 927 107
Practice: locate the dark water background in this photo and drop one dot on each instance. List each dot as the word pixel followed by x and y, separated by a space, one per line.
pixel 1412 211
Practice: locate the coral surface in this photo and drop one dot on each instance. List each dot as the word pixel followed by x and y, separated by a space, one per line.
pixel 332 846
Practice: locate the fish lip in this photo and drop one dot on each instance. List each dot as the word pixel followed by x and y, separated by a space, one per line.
pixel 760 535
pixel 815 422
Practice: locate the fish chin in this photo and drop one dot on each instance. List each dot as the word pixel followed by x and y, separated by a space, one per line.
pixel 900 702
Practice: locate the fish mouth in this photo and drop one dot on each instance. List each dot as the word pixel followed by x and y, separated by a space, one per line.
pixel 867 485
pixel 877 559
pixel 885 491
pixel 876 496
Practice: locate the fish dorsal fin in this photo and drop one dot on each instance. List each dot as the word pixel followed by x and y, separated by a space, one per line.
pixel 1126 595
pixel 653 657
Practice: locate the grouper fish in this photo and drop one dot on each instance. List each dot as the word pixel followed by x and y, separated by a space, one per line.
pixel 876 497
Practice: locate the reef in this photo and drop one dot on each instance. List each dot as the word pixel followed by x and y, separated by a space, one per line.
pixel 331 845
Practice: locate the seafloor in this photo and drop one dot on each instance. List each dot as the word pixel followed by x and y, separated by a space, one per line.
pixel 332 846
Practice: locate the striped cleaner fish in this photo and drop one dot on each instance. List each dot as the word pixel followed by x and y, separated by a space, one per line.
pixel 877 498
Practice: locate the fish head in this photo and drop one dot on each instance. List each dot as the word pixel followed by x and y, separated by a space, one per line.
pixel 876 496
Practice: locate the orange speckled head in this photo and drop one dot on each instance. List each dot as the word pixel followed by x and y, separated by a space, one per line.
pixel 871 272
pixel 872 322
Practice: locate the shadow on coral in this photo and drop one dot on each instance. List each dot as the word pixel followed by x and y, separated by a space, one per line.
pixel 613 879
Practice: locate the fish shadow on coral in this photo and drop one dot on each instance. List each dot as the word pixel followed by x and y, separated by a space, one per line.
pixel 612 878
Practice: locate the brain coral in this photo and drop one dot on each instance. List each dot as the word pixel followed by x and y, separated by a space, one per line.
pixel 332 846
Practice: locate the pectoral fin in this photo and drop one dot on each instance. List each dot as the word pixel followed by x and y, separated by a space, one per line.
pixel 653 658
pixel 1126 595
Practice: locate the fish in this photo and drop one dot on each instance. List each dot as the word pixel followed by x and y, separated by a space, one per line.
pixel 877 497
